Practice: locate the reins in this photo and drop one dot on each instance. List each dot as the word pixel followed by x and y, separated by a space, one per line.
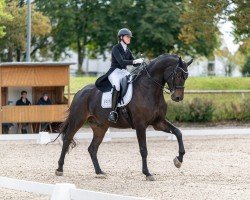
pixel 135 73
pixel 164 88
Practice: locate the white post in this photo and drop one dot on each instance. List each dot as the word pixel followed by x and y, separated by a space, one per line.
pixel 62 191
pixel 107 138
pixel 43 138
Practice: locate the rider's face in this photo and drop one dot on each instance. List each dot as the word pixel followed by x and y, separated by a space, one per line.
pixel 127 39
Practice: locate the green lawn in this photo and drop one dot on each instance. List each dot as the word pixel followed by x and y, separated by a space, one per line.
pixel 217 83
pixel 77 83
pixel 192 83
pixel 226 105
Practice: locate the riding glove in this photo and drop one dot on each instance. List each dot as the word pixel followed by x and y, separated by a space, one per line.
pixel 138 61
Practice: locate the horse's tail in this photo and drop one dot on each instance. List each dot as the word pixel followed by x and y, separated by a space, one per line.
pixel 62 129
pixel 76 115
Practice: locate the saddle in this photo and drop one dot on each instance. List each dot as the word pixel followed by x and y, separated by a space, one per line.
pixel 126 92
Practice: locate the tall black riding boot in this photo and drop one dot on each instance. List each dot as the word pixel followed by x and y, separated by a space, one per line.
pixel 113 115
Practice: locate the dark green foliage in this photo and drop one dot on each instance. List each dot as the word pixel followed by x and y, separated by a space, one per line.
pixel 89 27
pixel 245 110
pixel 241 18
pixel 246 68
pixel 200 110
pixel 178 111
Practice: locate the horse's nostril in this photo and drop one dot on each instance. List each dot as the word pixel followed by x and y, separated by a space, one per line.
pixel 178 98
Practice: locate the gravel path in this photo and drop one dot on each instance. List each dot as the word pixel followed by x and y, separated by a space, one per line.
pixel 215 167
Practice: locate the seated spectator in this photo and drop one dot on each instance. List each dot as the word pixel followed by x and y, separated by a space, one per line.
pixel 23 101
pixel 44 100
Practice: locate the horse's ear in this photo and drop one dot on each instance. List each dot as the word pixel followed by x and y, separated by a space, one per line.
pixel 189 62
pixel 180 61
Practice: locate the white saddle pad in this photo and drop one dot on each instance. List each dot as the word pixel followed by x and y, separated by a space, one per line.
pixel 107 98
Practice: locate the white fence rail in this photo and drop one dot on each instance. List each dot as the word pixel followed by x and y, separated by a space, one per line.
pixel 60 191
pixel 132 134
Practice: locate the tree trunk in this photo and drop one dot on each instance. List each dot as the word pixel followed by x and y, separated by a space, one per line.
pixel 18 55
pixel 10 54
pixel 80 51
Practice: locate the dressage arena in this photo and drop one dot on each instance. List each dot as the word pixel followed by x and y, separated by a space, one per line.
pixel 215 167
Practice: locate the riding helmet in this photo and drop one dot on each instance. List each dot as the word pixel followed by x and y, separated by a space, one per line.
pixel 124 31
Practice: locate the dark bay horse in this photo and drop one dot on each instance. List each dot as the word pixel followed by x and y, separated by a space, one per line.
pixel 147 107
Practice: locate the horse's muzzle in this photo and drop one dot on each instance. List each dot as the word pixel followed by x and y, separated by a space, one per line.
pixel 177 96
pixel 177 99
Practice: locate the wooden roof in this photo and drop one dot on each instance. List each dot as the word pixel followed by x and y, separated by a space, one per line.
pixel 33 64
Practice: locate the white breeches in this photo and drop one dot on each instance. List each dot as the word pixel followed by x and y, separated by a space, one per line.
pixel 116 76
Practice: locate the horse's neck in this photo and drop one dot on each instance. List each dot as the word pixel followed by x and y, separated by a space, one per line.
pixel 156 71
pixel 146 84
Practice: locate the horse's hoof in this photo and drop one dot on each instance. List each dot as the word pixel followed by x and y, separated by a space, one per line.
pixel 101 175
pixel 150 178
pixel 58 173
pixel 177 163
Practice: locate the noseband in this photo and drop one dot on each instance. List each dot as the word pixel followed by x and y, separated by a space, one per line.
pixel 174 86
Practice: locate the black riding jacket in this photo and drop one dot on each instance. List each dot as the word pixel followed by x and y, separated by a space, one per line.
pixel 120 59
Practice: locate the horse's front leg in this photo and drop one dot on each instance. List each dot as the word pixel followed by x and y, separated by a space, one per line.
pixel 166 126
pixel 141 137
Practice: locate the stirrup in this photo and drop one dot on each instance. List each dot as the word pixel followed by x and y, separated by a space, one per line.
pixel 113 116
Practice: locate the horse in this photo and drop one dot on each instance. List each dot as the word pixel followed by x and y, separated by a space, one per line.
pixel 147 107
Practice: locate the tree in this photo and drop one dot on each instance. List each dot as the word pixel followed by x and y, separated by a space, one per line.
pixel 241 18
pixel 157 26
pixel 200 19
pixel 246 67
pixel 4 17
pixel 14 42
pixel 75 23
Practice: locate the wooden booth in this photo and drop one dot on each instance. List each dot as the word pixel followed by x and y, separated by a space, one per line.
pixel 35 78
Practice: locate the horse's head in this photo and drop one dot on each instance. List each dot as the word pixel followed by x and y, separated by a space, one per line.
pixel 176 77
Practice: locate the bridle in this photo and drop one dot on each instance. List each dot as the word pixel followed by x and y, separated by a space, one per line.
pixel 164 88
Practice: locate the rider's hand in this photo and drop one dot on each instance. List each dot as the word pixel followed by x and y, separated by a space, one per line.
pixel 138 61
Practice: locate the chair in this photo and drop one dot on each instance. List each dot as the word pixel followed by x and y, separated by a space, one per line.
pixel 49 124
pixel 19 127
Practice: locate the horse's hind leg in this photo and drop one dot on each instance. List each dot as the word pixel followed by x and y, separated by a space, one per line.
pixel 98 135
pixel 166 126
pixel 73 127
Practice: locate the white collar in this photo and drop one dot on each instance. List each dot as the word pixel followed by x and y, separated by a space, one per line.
pixel 124 46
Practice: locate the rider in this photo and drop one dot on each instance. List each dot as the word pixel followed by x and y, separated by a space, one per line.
pixel 121 57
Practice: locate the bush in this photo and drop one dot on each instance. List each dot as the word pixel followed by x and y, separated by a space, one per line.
pixel 226 112
pixel 244 110
pixel 198 110
pixel 201 110
pixel 178 111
